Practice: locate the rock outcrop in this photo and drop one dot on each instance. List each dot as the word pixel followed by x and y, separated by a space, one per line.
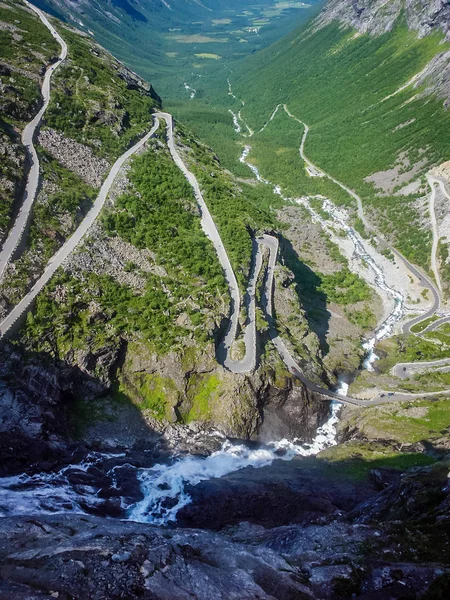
pixel 336 552
pixel 378 16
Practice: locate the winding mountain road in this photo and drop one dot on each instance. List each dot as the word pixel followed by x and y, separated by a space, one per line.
pixel 16 233
pixel 423 279
pixel 210 229
pixel 58 259
pixel 432 182
pixel 382 398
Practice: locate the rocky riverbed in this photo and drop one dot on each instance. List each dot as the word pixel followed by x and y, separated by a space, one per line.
pixel 346 543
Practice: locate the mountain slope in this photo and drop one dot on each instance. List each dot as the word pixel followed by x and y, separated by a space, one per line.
pixel 367 125
pixel 173 42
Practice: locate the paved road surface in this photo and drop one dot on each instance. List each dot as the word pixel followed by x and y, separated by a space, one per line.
pixel 248 362
pixel 210 229
pixel 436 324
pixel 423 279
pixel 15 235
pixel 382 398
pixel 405 370
pixel 57 260
pixel 432 182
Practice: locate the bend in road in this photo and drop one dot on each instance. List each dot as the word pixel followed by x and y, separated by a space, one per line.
pixel 423 279
pixel 57 260
pixel 16 233
pixel 436 324
pixel 290 362
pixel 432 182
pixel 210 229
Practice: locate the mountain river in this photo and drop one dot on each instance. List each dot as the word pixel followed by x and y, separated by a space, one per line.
pixel 111 485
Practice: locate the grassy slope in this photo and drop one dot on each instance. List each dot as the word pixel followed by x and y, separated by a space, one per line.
pixel 27 45
pixel 335 81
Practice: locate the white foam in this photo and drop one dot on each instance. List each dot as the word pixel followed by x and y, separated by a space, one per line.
pixel 164 486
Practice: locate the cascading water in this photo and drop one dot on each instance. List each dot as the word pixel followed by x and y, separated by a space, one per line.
pixel 89 486
pixel 161 493
pixel 190 90
pixel 386 328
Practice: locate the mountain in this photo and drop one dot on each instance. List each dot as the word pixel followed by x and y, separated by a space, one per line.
pixel 370 79
pixel 173 42
pixel 131 322
pixel 190 400
pixel 378 16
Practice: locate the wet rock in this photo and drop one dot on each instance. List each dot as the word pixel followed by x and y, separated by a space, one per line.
pixel 283 493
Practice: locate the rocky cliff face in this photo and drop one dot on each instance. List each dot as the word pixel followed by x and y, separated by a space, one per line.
pixel 378 16
pixel 335 541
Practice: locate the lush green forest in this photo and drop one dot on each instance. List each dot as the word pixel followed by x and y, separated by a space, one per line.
pixel 169 44
pixel 337 83
pixel 158 213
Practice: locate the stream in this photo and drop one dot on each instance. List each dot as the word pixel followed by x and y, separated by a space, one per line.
pixel 111 485
pixel 108 485
pixel 386 328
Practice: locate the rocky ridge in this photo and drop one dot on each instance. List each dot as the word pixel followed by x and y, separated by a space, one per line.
pixel 379 16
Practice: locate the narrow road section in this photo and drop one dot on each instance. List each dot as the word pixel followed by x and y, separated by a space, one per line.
pixel 58 259
pixel 210 229
pixel 434 266
pixel 16 233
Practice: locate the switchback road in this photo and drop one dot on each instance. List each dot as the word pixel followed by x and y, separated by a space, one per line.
pixel 16 233
pixel 58 259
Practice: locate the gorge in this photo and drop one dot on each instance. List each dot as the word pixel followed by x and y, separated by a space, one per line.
pixel 223 363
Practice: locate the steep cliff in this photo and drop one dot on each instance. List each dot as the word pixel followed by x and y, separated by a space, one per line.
pixel 379 16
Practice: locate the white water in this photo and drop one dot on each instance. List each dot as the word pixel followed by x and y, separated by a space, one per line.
pixel 163 485
pixel 51 493
pixel 387 327
pixel 163 482
pixel 243 159
pixel 190 90
pixel 236 125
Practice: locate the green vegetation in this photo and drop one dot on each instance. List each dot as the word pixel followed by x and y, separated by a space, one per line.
pixel 202 391
pixel 444 264
pixel 407 422
pixel 324 81
pixel 152 40
pixel 423 324
pixel 358 459
pixel 159 216
pixel 431 346
pixel 26 48
pixel 323 77
pixel 160 213
pixel 72 201
pixel 364 318
pixel 275 151
pixel 93 103
pixel 150 392
pixel 237 209
pixel 386 429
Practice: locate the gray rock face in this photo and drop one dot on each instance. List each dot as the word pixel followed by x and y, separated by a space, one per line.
pixel 331 556
pixel 378 16
pixel 75 156
pixel 100 559
pixel 296 491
